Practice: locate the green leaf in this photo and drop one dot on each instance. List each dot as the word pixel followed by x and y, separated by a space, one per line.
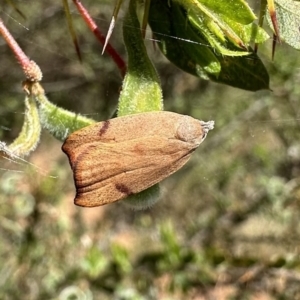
pixel 220 19
pixel 179 43
pixel 217 39
pixel 237 10
pixel 60 122
pixel 188 49
pixel 29 136
pixel 251 33
pixel 288 18
pixel 246 72
pixel 194 44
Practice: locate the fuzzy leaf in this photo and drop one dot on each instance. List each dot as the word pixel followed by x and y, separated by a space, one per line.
pixel 29 136
pixel 60 122
pixel 288 19
pixel 141 89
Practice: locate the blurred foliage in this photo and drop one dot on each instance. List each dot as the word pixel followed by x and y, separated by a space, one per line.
pixel 227 224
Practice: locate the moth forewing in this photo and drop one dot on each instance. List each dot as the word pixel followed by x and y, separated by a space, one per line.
pixel 119 157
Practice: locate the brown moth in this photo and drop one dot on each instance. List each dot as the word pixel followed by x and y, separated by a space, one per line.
pixel 126 155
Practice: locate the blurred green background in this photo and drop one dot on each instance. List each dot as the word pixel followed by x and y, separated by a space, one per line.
pixel 227 224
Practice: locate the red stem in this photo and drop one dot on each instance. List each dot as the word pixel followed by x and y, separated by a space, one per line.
pixel 31 70
pixel 92 25
pixel 20 55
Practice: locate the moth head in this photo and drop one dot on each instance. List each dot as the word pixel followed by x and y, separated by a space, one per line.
pixel 193 131
pixel 206 127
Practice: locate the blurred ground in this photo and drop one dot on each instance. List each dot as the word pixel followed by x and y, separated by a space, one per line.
pixel 226 226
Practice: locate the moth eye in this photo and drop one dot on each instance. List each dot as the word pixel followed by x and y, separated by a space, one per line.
pixel 189 129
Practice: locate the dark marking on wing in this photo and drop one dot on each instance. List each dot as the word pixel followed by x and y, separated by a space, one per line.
pixel 104 127
pixel 123 189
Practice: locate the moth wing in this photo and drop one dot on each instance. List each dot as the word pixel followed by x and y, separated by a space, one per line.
pixel 105 172
pixel 129 127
